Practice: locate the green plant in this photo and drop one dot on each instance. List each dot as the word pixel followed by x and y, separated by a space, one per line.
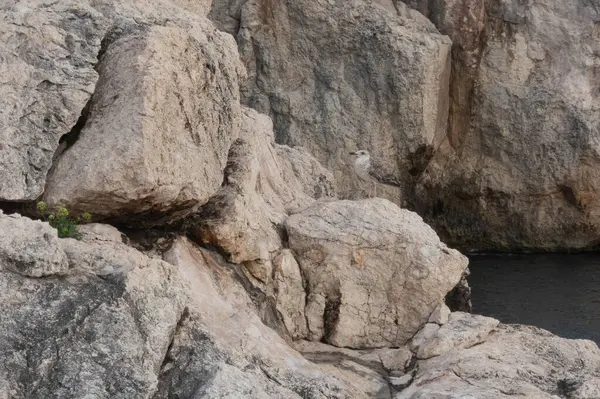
pixel 59 218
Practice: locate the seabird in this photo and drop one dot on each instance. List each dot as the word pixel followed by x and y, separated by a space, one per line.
pixel 370 171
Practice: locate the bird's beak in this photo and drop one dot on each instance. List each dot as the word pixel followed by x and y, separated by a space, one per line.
pixel 352 153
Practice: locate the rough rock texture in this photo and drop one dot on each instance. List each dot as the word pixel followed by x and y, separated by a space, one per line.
pixel 374 272
pixel 463 330
pixel 49 55
pixel 30 248
pixel 261 186
pixel 164 114
pixel 521 171
pixel 290 296
pixel 46 78
pixel 513 361
pixel 101 330
pixel 337 76
pixel 224 350
pixel 119 324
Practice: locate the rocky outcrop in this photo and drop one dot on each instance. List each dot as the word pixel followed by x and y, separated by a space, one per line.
pixel 519 171
pixel 374 272
pixel 506 161
pixel 511 361
pixel 161 323
pixel 159 126
pixel 339 76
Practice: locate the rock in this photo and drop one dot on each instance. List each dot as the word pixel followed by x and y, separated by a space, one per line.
pixel 86 334
pixel 425 334
pixel 512 361
pixel 245 217
pixel 30 248
pixel 224 348
pixel 440 315
pixel 521 167
pixel 400 383
pixel 375 80
pixel 156 139
pixel 47 76
pixel 395 359
pixel 463 330
pixel 289 293
pixel 374 272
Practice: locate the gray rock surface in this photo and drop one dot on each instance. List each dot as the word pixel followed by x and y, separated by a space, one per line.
pixel 337 76
pixel 100 330
pixel 163 116
pixel 463 330
pixel 374 272
pixel 30 248
pixel 46 77
pixel 119 324
pixel 513 361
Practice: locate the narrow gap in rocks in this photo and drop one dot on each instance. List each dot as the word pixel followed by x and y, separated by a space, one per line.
pixel 67 140
pixel 168 358
pixel 8 207
pixel 331 315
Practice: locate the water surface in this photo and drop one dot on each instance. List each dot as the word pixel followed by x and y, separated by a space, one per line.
pixel 557 292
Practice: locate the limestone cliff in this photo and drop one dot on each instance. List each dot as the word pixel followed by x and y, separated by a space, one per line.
pixel 225 265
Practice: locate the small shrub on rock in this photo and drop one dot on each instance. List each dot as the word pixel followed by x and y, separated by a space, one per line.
pixel 59 218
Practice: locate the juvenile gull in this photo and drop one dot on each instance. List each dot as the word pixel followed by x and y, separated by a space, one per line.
pixel 370 171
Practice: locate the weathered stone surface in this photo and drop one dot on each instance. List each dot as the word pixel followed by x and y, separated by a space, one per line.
pixel 165 111
pixel 374 272
pixel 424 335
pixel 339 75
pixel 48 52
pixel 463 330
pixel 521 168
pixel 86 334
pixel 30 248
pixel 289 293
pixel 224 349
pixel 440 314
pixel 514 361
pixel 261 185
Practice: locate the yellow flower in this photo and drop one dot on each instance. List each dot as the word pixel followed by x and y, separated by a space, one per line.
pixel 86 216
pixel 42 206
pixel 62 211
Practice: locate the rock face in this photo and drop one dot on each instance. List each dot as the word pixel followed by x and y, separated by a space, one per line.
pixel 165 111
pixel 374 272
pixel 47 77
pixel 337 76
pixel 520 171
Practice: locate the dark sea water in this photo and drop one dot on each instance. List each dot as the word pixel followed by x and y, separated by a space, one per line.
pixel 557 292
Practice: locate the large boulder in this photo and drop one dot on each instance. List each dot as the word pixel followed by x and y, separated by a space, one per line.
pixel 50 51
pixel 159 126
pixel 374 272
pixel 336 76
pixel 521 169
